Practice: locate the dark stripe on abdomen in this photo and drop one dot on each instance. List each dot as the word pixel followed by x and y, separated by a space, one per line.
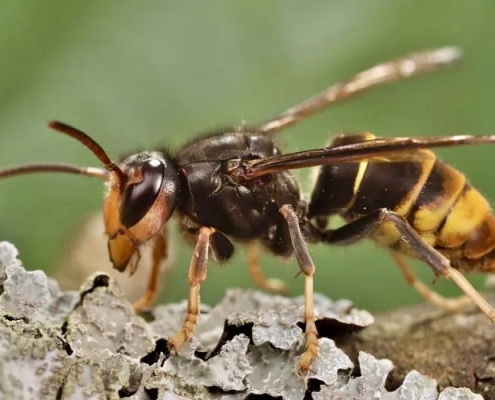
pixel 391 185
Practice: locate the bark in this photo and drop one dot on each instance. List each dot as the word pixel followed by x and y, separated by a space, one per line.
pixel 455 349
pixel 72 344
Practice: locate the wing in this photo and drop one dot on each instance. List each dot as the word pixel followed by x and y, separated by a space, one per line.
pixel 406 67
pixel 377 150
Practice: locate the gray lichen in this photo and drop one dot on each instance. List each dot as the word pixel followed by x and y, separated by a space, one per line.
pixel 90 345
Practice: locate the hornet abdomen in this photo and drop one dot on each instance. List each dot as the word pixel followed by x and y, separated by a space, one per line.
pixel 434 198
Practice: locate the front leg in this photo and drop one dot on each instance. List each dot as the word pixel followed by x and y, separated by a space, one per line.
pixel 308 269
pixel 159 254
pixel 197 274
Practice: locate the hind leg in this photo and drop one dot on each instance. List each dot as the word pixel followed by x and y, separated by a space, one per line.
pixel 450 304
pixel 367 225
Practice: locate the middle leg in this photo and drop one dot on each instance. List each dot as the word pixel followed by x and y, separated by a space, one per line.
pixel 268 284
pixel 308 269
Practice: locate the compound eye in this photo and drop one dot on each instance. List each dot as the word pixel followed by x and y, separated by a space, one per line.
pixel 139 197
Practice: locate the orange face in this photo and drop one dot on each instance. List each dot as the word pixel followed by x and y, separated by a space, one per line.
pixel 136 210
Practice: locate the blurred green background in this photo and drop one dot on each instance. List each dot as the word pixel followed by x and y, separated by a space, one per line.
pixel 139 74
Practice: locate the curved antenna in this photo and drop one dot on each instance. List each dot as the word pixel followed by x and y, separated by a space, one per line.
pixel 92 145
pixel 64 168
pixel 391 71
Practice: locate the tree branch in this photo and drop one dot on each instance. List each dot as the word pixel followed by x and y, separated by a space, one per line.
pixel 74 345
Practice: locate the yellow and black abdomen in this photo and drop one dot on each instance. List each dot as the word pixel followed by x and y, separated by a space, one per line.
pixel 434 198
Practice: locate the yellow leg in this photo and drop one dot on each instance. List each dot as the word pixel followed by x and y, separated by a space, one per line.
pixel 455 304
pixel 268 284
pixel 159 254
pixel 308 269
pixel 197 274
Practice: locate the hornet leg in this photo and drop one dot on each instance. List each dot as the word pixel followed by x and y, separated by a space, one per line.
pixel 366 225
pixel 159 254
pixel 197 274
pixel 269 284
pixel 456 304
pixel 308 269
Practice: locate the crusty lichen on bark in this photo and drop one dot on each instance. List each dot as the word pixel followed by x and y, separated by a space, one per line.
pixel 90 344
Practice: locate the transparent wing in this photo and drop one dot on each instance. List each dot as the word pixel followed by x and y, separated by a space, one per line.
pixel 402 68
